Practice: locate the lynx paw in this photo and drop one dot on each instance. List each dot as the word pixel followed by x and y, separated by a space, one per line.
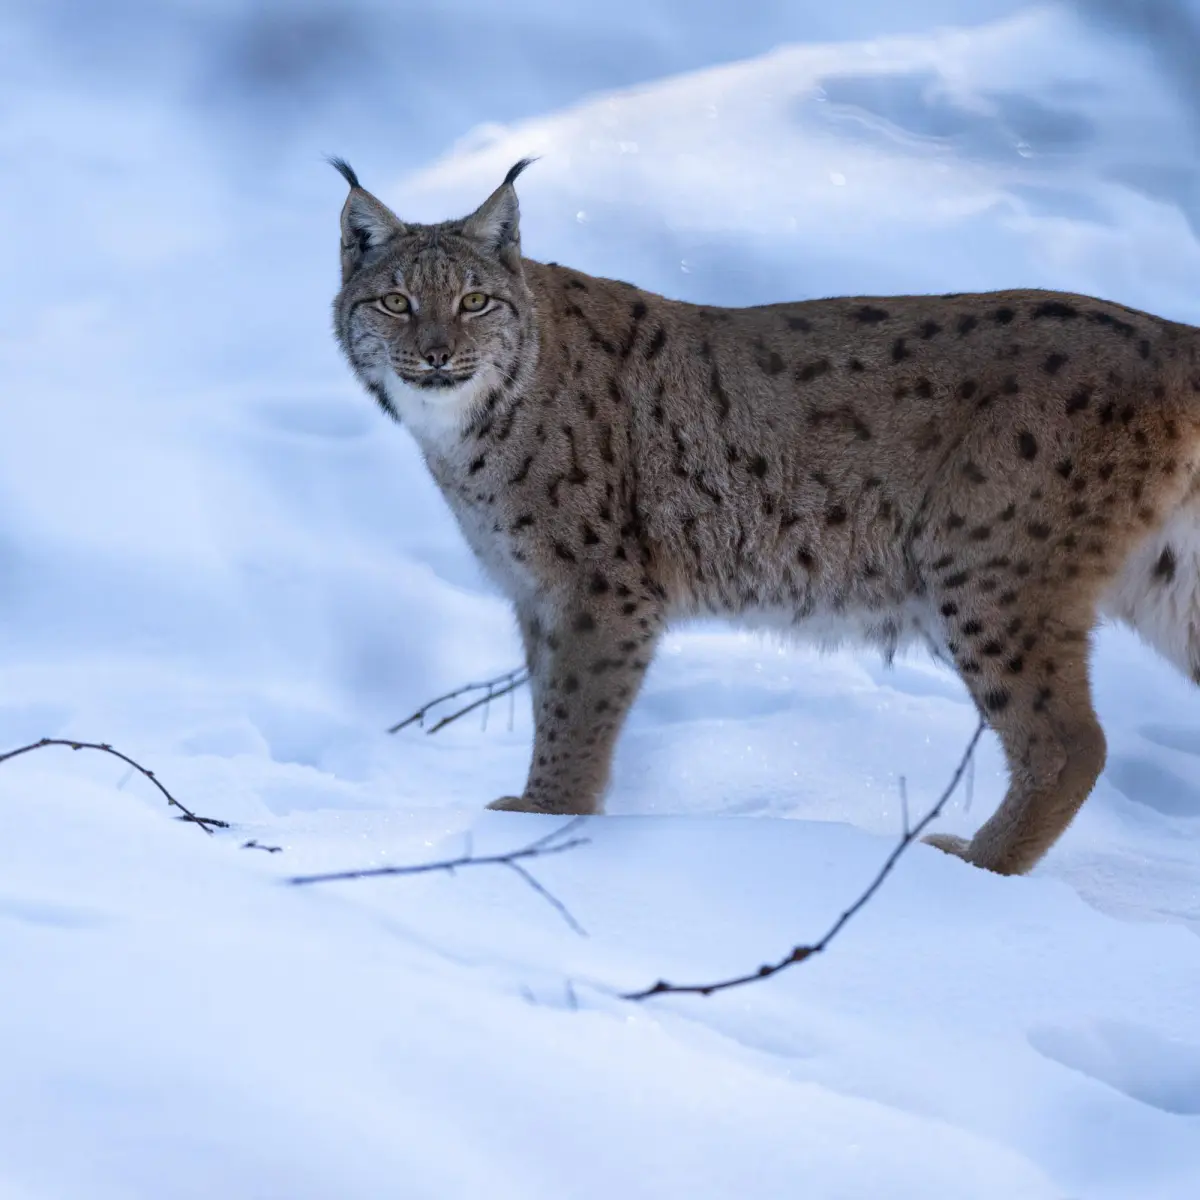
pixel 513 804
pixel 522 804
pixel 950 843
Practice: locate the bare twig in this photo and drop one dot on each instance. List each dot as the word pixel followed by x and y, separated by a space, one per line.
pixel 205 823
pixel 253 845
pixel 492 689
pixel 548 844
pixel 799 954
pixel 969 791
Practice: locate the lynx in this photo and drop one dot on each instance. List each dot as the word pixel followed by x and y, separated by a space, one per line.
pixel 987 475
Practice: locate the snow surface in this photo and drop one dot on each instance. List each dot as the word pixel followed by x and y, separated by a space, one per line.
pixel 217 555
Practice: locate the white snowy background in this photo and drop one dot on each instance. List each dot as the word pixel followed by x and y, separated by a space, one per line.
pixel 218 555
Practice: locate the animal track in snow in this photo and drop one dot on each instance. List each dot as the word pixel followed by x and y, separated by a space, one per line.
pixel 1147 783
pixel 1185 738
pixel 1142 1064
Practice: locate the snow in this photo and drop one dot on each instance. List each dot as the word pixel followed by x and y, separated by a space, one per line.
pixel 218 556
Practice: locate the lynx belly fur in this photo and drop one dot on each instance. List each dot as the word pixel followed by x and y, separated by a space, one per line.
pixel 987 474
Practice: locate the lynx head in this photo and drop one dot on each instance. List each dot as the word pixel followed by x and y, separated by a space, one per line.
pixel 434 318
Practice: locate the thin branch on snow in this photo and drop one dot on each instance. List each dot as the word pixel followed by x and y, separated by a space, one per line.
pixel 255 845
pixel 551 843
pixel 208 824
pixel 492 689
pixel 799 954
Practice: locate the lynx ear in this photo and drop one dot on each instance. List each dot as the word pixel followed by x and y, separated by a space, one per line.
pixel 496 222
pixel 367 223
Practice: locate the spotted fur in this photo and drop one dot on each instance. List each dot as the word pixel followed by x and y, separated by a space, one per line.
pixel 985 475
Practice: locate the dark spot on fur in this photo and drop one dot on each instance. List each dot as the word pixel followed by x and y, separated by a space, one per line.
pixel 973 473
pixel 966 324
pixel 1027 445
pixel 996 700
pixel 799 324
pixel 657 342
pixel 855 365
pixel 869 315
pixel 1055 308
pixel 1010 386
pixel 1003 315
pixel 900 351
pixel 1164 569
pixel 1053 362
pixel 719 394
pixel 1065 467
pixel 1144 348
pixel 836 515
pixel 956 580
pixel 972 628
pixel 812 370
pixel 1103 318
pixel 584 623
pixel 1079 400
pixel 967 388
pixel 1039 530
pixel 523 472
pixel 930 329
pixel 563 552
pixel 771 363
pixel 758 465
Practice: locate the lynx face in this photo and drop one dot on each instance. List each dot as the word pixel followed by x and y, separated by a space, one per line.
pixel 431 316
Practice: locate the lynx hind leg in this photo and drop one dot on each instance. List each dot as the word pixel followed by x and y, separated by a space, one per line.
pixel 1026 666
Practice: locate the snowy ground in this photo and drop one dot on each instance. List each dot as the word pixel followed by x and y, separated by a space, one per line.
pixel 215 554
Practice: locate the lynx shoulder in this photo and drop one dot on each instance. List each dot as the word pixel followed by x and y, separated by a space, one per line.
pixel 987 475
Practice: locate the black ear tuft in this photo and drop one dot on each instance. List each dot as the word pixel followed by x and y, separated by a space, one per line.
pixel 367 223
pixel 514 171
pixel 346 171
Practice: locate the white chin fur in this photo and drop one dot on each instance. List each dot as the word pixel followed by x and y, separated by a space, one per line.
pixel 435 416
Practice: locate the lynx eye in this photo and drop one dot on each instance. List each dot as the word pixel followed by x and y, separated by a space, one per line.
pixel 474 302
pixel 393 302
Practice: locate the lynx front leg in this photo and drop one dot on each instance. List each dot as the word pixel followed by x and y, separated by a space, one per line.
pixel 585 670
pixel 1027 667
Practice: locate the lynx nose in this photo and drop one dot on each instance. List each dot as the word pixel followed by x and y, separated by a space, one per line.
pixel 438 356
